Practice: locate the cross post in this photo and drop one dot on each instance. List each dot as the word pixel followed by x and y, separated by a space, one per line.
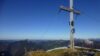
pixel 72 29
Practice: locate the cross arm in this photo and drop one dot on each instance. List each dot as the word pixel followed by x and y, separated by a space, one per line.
pixel 69 10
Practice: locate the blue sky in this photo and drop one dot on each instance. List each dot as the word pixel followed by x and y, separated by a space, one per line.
pixel 41 19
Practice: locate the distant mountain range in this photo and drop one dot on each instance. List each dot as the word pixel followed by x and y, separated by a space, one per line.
pixel 17 47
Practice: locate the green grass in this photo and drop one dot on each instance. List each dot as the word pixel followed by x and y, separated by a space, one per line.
pixel 59 52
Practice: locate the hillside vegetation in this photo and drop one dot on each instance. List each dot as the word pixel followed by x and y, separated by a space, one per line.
pixel 60 52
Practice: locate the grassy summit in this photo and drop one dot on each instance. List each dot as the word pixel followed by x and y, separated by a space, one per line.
pixel 59 52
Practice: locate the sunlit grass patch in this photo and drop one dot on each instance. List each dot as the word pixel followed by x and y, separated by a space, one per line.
pixel 59 52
